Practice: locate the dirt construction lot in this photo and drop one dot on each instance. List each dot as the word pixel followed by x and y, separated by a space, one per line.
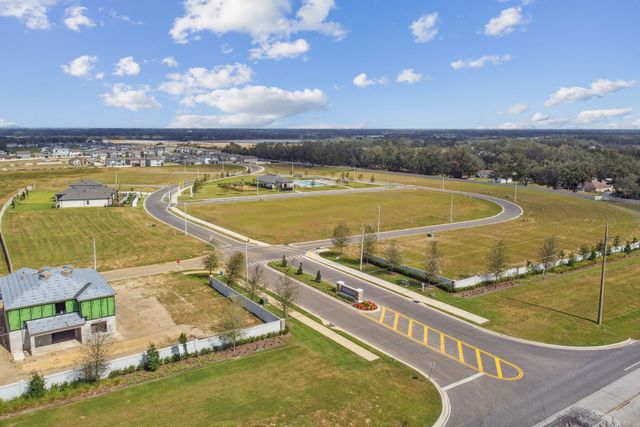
pixel 154 309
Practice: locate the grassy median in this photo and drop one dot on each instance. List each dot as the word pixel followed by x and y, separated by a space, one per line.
pixel 311 218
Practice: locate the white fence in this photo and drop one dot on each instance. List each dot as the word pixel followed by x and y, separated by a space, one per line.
pixel 273 324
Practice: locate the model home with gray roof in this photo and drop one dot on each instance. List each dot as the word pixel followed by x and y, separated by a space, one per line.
pixel 52 305
pixel 85 194
pixel 273 182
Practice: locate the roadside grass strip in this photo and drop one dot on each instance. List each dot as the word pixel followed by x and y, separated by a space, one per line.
pixel 451 347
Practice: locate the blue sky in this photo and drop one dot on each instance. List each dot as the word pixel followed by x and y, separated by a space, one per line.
pixel 320 63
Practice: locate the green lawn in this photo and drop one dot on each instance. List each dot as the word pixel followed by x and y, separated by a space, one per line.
pixel 562 309
pixel 308 381
pixel 213 190
pixel 39 235
pixel 311 218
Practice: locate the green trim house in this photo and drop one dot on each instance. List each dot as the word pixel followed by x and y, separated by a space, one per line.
pixel 52 305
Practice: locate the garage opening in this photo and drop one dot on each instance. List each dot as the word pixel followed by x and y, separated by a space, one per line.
pixel 63 336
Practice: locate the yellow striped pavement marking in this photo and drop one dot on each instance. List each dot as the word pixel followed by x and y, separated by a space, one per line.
pixel 476 365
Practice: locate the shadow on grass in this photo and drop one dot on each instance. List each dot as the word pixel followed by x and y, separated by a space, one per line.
pixel 551 309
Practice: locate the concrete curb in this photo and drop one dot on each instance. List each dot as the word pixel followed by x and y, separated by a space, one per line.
pixel 398 290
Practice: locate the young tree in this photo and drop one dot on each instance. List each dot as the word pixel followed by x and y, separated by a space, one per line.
pixel 498 259
pixel 432 266
pixel 393 255
pixel 370 241
pixel 548 254
pixel 235 264
pixel 232 320
pixel 372 179
pixel 152 360
pixel 300 271
pixel 287 294
pixel 255 280
pixel 284 262
pixel 183 339
pixel 340 237
pixel 93 363
pixel 211 261
pixel 318 277
pixel 584 252
pixel 36 387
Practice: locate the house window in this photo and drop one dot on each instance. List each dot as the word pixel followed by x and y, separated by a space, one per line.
pixel 61 308
pixel 99 327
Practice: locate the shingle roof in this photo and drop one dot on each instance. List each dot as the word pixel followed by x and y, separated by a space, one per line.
pixel 86 190
pixel 274 179
pixel 53 324
pixel 28 287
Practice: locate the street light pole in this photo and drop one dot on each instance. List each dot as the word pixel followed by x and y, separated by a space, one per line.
pixel 602 274
pixel 515 196
pixel 442 182
pixel 246 261
pixel 95 260
pixel 451 210
pixel 379 214
pixel 185 218
pixel 362 247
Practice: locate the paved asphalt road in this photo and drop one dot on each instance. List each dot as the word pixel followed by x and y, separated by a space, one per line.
pixel 553 378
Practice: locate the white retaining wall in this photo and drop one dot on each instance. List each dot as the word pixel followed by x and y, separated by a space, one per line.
pixel 14 390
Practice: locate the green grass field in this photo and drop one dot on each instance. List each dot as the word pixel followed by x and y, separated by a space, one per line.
pixel 39 235
pixel 307 381
pixel 311 218
pixel 562 309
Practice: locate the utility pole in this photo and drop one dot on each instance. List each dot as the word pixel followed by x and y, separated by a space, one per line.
pixel 379 213
pixel 362 248
pixel 451 210
pixel 95 259
pixel 291 168
pixel 604 267
pixel 515 196
pixel 442 182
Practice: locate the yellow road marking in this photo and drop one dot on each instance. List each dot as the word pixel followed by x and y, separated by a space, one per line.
pixel 459 357
pixel 384 311
pixel 479 358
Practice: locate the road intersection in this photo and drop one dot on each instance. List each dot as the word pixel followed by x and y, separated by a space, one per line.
pixel 488 379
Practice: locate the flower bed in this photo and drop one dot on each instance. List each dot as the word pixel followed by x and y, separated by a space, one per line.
pixel 366 305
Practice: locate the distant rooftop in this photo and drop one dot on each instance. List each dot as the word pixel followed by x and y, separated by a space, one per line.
pixel 86 190
pixel 28 287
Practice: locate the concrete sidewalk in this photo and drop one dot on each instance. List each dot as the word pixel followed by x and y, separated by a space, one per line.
pixel 152 270
pixel 348 344
pixel 399 290
pixel 617 404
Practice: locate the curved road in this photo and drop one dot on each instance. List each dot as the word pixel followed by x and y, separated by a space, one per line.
pixel 552 380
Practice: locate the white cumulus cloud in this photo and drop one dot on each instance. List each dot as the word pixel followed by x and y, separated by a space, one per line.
pixel 124 96
pixel 252 106
pixel 591 116
pixel 480 62
pixel 82 66
pixel 599 88
pixel 424 28
pixel 516 109
pixel 127 67
pixel 362 80
pixel 170 61
pixel 266 21
pixel 409 75
pixel 75 18
pixel 199 80
pixel 6 124
pixel 280 50
pixel 537 121
pixel 506 22
pixel 32 13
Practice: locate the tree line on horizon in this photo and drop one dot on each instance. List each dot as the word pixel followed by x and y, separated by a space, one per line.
pixel 554 162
